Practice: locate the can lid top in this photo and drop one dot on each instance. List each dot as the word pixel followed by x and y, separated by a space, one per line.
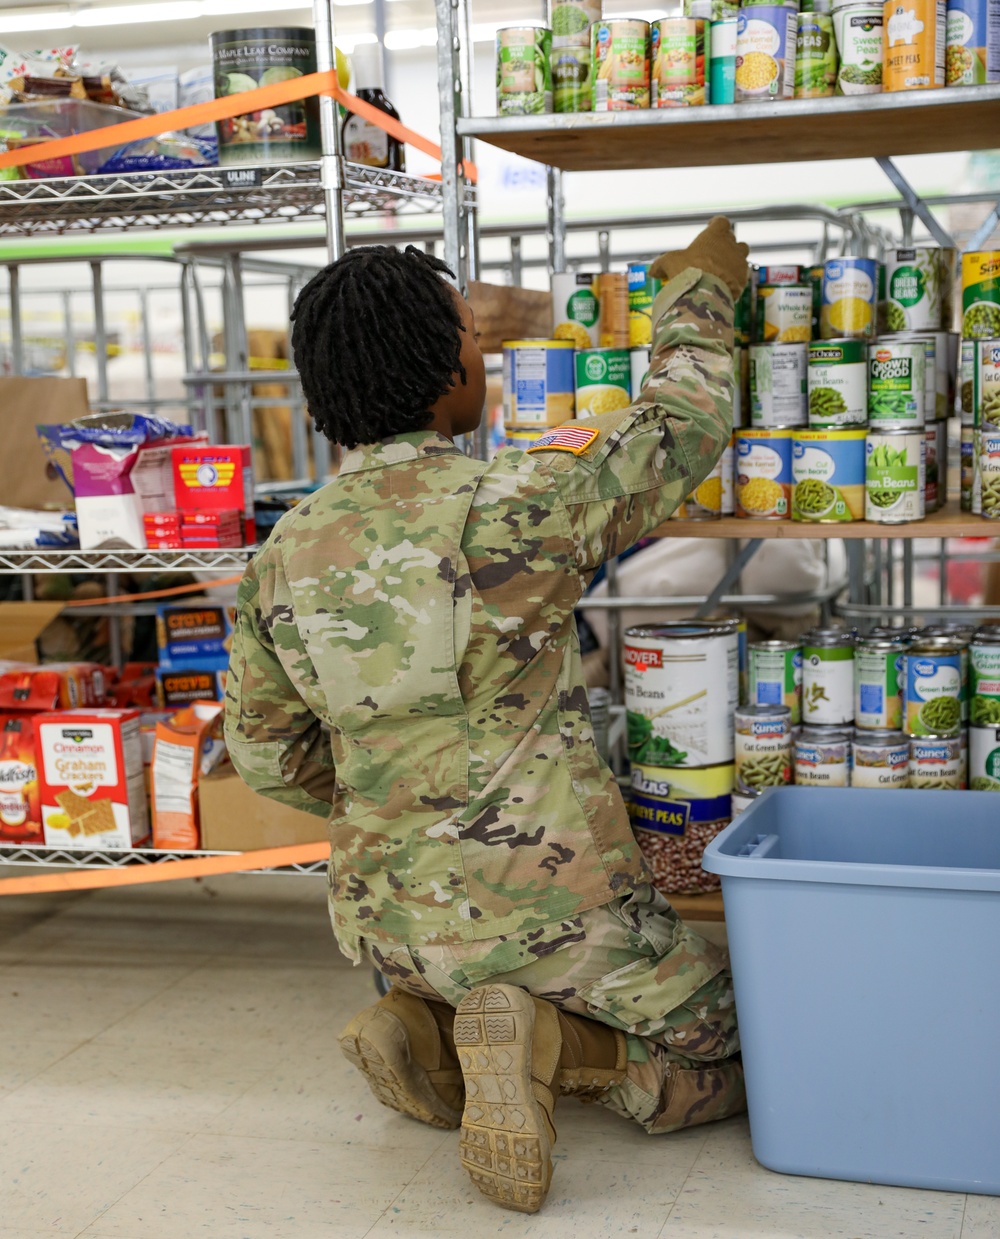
pixel 987 634
pixel 782 645
pixel 783 712
pixel 826 735
pixel 880 736
pixel 828 636
pixel 685 629
pixel 938 737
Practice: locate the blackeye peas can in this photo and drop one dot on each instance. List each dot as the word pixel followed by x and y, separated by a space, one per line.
pixel 765 53
pixel 880 759
pixel 988 474
pixel 936 762
pixel 897 385
pixel 822 757
pixel 828 475
pixel 763 741
pixel 984 677
pixel 878 679
pixel 815 56
pixel 827 677
pixel 775 676
pixel 895 476
pixel 837 384
pixel 984 759
pixel 777 385
pixel 620 56
pixel 933 688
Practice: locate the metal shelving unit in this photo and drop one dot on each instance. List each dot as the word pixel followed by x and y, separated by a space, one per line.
pixel 46 561
pixel 71 858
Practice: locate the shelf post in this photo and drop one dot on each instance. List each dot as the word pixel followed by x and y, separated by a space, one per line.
pixel 100 334
pixel 16 340
pixel 332 160
pixel 729 577
pixel 557 221
pixel 67 300
pixel 449 94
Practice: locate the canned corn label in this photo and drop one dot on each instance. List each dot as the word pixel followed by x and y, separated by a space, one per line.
pixel 776 679
pixel 837 384
pixel 784 313
pixel 576 309
pixel 670 801
pixel 827 684
pixel 897 388
pixel 763 473
pixel 882 765
pixel 822 763
pixel 895 474
pixel 524 82
pixel 858 29
pixel 981 294
pixel 815 56
pixel 603 381
pixel 765 52
pixel 984 759
pixel 828 475
pixel 642 290
pixel 878 701
pixel 850 293
pixel 936 763
pixel 537 382
pixel 777 385
pixel 913 284
pixel 986 384
pixel 932 695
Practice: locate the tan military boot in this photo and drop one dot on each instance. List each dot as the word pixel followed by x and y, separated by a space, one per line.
pixel 513 1050
pixel 404 1047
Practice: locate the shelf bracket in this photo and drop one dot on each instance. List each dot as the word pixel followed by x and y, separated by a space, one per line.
pixel 915 203
pixel 729 577
pixel 985 231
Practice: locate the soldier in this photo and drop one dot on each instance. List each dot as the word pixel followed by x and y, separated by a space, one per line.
pixel 406 664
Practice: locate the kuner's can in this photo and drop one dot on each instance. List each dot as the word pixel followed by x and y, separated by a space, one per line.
pixel 913 288
pixel 897 385
pixel 849 298
pixel 603 381
pixel 620 54
pixel 822 757
pixel 765 52
pixel 763 739
pixel 777 385
pixel 537 382
pixel 880 759
pixel 827 676
pixel 933 688
pixel 895 476
pixel 775 674
pixel 936 762
pixel 913 57
pixel 677 72
pixel 815 56
pixel 986 383
pixel 642 290
pixel 828 475
pixel 984 677
pixel 968 467
pixel 984 759
pixel 981 294
pixel 524 79
pixel 576 310
pixel 878 679
pixel 988 473
pixel 763 473
pixel 681 690
pixel 837 384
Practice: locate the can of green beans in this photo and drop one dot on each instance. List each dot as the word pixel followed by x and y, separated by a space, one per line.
pixel 929 340
pixel 953 633
pixel 984 759
pixel 837 384
pixel 986 384
pixel 968 466
pixel 984 677
pixel 763 744
pixel 967 382
pixel 936 762
pixel 828 676
pixel 933 688
pixel 989 473
pixel 828 475
pixel 777 385
pixel 822 757
pixel 880 759
pixel 897 398
pixel 878 672
pixel 895 475
pixel 775 674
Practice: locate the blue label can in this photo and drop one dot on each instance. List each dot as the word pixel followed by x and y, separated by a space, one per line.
pixel 538 382
pixel 850 298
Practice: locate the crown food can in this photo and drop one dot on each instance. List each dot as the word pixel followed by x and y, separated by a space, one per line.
pixel 897 384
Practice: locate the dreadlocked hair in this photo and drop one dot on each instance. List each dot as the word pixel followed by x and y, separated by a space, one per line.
pixel 376 339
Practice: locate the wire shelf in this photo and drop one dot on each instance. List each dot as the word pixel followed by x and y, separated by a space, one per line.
pixel 193 197
pixel 60 560
pixel 84 858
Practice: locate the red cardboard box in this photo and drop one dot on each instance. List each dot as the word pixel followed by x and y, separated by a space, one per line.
pixel 215 478
pixel 20 802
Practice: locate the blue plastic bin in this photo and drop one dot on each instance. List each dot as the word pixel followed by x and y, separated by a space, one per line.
pixel 864 928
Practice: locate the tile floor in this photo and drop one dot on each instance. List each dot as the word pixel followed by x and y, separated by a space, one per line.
pixel 169 1070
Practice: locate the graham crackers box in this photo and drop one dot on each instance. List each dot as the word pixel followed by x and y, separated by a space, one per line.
pixel 91 779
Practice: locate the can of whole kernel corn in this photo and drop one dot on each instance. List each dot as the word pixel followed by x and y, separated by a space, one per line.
pixel 764 473
pixel 849 298
pixel 765 52
pixel 603 380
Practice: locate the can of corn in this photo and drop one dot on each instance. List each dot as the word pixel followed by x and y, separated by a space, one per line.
pixel 775 676
pixel 677 75
pixel 858 29
pixel 828 476
pixel 986 383
pixel 989 473
pixel 571 20
pixel 572 84
pixel 897 384
pixel 722 60
pixel 576 311
pixel 538 388
pixel 981 294
pixel 850 297
pixel 878 681
pixel 933 687
pixel 603 381
pixel 638 370
pixel 614 330
pixel 822 757
pixel 827 677
pixel 880 759
pixel 784 313
pixel 705 501
pixel 620 56
pixel 765 52
pixel 763 473
pixel 913 287
pixel 763 736
pixel 895 476
pixel 968 467
pixel 778 385
pixel 837 384
pixel 524 80
pixel 815 56
pixel 642 290
pixel 913 55
pixel 972 42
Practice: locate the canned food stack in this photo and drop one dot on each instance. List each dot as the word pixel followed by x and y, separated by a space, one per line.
pixel 979 382
pixel 681 693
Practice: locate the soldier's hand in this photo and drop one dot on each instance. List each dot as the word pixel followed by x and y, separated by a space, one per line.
pixel 715 250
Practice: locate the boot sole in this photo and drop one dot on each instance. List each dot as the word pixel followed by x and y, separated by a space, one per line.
pixel 505 1143
pixel 378 1045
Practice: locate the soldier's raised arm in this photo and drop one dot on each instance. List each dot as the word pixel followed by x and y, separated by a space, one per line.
pixel 277 743
pixel 621 474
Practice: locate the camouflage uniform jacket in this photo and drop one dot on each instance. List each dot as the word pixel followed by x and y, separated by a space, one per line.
pixel 406 661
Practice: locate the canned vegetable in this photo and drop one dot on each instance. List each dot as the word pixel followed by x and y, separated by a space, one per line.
pixel 989 473
pixel 765 52
pixel 880 759
pixel 763 473
pixel 850 296
pixel 913 58
pixel 576 311
pixel 913 285
pixel 827 676
pixel 936 762
pixel 524 82
pixel 677 75
pixel 972 42
pixel 895 476
pixel 537 382
pixel 984 759
pixel 828 475
pixel 981 294
pixel 571 20
pixel 837 384
pixel 878 679
pixel 933 688
pixel 858 28
pixel 777 385
pixel 620 56
pixel 763 739
pixel 897 386
pixel 572 79
pixel 986 383
pixel 775 676
pixel 822 757
pixel 815 56
pixel 984 677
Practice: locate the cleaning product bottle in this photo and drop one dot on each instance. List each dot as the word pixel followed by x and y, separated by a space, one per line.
pixel 364 142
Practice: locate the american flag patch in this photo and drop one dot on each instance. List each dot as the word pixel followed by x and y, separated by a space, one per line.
pixel 575 439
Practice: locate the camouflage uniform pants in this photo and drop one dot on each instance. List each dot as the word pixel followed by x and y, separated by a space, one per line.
pixel 631 964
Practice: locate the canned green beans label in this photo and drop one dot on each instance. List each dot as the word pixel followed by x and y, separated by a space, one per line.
pixel 776 679
pixel 913 281
pixel 897 385
pixel 763 749
pixel 879 702
pixel 936 763
pixel 822 764
pixel 880 765
pixel 989 473
pixel 986 383
pixel 933 694
pixel 894 477
pixel 828 474
pixel 837 381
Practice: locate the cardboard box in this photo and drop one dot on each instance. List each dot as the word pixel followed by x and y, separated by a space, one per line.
pixel 215 479
pixel 194 637
pixel 236 819
pixel 20 801
pixel 186 746
pixel 185 686
pixel 25 480
pixel 90 771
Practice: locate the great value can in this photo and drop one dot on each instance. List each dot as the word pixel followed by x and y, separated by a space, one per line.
pixel 981 294
pixel 880 759
pixel 986 383
pixel 571 20
pixel 827 677
pixel 988 473
pixel 913 55
pixel 777 385
pixel 837 384
pixel 524 80
pixel 984 677
pixel 639 359
pixel 681 691
pixel 933 689
pixel 603 381
pixel 984 759
pixel 815 56
pixel 858 28
pixel 620 54
pixel 897 385
pixel 972 42
pixel 822 757
pixel 936 762
pixel 765 52
pixel 763 473
pixel 775 676
pixel 572 79
pixel 537 382
pixel 763 738
pixel 895 476
pixel 722 62
pixel 576 310
pixel 705 501
pixel 850 298
pixel 677 74
pixel 642 290
pixel 968 467
pixel 913 288
pixel 828 475
pixel 878 680
pixel 784 313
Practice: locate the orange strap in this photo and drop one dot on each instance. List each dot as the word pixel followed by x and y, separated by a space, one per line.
pixel 197 588
pixel 221 109
pixel 168 871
